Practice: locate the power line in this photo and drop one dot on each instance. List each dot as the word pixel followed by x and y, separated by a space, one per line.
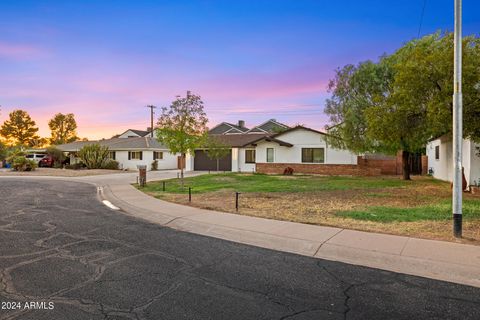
pixel 421 18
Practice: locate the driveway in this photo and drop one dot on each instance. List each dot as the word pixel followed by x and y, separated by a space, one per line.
pixel 60 245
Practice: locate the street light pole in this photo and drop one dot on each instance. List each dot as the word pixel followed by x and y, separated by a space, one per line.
pixel 457 124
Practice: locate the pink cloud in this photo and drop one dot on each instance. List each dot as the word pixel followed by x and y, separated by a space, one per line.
pixel 20 51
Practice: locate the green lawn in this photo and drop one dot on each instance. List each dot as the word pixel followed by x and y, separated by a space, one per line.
pixel 273 183
pixel 432 212
pixel 419 208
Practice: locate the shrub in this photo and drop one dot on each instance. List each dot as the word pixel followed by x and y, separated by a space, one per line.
pixel 94 156
pixel 288 171
pixel 155 165
pixel 111 164
pixel 75 166
pixel 20 163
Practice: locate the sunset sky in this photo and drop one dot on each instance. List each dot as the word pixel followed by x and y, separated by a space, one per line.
pixel 250 60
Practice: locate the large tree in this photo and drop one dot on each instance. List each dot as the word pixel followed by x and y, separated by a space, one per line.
pixel 63 128
pixel 182 127
pixel 19 128
pixel 404 99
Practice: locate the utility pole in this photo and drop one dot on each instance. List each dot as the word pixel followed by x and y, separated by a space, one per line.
pixel 151 118
pixel 457 124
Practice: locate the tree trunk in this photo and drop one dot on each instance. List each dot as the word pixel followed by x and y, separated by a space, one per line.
pixel 182 165
pixel 405 165
pixel 218 164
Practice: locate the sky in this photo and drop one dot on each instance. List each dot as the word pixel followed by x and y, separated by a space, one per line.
pixel 249 60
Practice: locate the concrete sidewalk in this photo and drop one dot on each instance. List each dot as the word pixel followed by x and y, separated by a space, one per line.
pixel 440 260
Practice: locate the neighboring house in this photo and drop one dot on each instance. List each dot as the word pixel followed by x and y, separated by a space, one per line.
pixel 229 128
pixel 303 149
pixel 440 162
pixel 129 152
pixel 270 126
pixel 132 133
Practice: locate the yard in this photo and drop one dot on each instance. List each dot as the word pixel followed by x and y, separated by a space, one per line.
pixel 419 208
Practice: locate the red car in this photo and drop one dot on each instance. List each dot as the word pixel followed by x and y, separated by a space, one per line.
pixel 46 161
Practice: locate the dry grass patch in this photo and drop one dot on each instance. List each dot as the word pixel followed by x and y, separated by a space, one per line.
pixel 418 208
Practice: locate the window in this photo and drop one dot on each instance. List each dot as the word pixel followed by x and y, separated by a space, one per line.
pixel 437 152
pixel 249 156
pixel 313 155
pixel 157 155
pixel 270 154
pixel 135 155
pixel 111 155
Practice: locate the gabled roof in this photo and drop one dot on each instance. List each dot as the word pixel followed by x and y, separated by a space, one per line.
pixel 140 133
pixel 238 140
pixel 227 128
pixel 299 128
pixel 270 126
pixel 117 144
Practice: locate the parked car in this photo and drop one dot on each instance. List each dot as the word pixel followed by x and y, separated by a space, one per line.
pixel 46 161
pixel 35 156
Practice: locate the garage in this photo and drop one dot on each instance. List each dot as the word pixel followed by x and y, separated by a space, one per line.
pixel 203 163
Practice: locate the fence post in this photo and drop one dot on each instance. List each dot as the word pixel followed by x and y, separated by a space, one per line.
pixel 236 200
pixel 163 185
pixel 189 194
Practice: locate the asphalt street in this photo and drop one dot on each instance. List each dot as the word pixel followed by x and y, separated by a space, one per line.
pixel 70 257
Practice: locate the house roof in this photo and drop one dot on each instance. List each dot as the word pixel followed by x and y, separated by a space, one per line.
pixel 141 133
pixel 239 140
pixel 299 128
pixel 226 127
pixel 114 144
pixel 270 126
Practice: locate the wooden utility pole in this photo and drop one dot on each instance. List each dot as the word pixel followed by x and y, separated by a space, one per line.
pixel 151 118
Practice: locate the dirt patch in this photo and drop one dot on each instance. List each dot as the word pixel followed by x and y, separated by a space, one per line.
pixel 319 208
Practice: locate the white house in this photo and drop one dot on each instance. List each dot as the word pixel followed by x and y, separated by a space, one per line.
pixel 303 149
pixel 440 159
pixel 130 152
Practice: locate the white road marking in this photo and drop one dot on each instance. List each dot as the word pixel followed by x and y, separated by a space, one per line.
pixel 110 205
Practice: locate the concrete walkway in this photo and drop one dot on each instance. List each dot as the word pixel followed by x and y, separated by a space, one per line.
pixel 440 260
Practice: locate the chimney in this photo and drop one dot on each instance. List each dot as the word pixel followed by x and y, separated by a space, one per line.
pixel 241 123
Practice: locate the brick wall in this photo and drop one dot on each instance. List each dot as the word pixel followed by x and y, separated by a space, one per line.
pixel 325 169
pixel 386 166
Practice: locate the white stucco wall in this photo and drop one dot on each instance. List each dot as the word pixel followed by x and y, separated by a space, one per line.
pixel 169 160
pixel 242 166
pixel 443 167
pixel 302 139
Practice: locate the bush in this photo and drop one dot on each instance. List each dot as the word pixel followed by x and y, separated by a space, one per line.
pixel 20 163
pixel 94 156
pixel 155 165
pixel 111 164
pixel 75 166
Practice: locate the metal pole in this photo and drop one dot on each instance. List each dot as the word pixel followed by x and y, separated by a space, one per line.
pixel 189 194
pixel 163 185
pixel 457 124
